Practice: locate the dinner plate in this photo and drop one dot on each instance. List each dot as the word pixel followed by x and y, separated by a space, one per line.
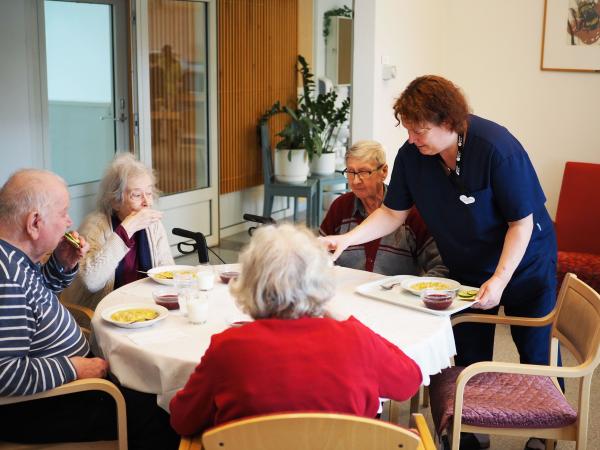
pixel 108 312
pixel 154 273
pixel 415 285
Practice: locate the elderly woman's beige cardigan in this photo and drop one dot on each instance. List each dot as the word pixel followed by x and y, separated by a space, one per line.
pixel 96 277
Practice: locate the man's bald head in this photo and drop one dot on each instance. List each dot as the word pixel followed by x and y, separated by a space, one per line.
pixel 28 190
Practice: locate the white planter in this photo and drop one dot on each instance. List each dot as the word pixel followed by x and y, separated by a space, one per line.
pixel 323 165
pixel 294 171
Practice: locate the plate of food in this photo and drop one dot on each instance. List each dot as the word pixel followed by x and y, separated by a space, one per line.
pixel 166 274
pixel 416 285
pixel 135 315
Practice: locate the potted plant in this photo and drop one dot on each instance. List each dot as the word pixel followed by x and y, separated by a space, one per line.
pixel 313 127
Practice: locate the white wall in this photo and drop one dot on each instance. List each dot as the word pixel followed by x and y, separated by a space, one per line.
pixel 492 50
pixel 20 110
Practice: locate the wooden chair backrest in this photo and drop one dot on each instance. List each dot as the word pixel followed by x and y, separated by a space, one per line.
pixel 83 317
pixel 309 431
pixel 577 324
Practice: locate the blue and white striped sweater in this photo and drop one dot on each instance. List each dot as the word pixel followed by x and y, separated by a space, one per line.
pixel 37 333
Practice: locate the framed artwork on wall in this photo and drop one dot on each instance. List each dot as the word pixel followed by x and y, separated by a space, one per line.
pixel 571 36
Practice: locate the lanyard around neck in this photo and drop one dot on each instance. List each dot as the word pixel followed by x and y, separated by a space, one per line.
pixel 454 174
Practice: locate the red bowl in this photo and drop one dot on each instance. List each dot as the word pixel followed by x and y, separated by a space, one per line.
pixel 167 298
pixel 439 301
pixel 226 277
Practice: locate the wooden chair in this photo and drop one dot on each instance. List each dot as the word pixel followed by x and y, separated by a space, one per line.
pixel 578 222
pixel 525 399
pixel 83 316
pixel 274 188
pixel 311 431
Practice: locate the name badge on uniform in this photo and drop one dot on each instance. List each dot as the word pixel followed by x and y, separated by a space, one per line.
pixel 466 200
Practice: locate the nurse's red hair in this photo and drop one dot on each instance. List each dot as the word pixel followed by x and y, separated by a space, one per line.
pixel 433 99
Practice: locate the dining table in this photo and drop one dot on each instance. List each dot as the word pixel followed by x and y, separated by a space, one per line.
pixel 160 358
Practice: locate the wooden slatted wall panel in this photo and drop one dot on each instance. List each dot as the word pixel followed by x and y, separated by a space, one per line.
pixel 172 27
pixel 257 48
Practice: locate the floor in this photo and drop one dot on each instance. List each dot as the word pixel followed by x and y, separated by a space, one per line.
pixel 504 350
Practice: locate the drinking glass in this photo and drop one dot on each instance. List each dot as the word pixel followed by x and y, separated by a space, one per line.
pixel 185 284
pixel 206 277
pixel 197 307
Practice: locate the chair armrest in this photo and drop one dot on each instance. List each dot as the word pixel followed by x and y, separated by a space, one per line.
pixel 504 320
pixel 424 432
pixel 87 384
pixel 522 369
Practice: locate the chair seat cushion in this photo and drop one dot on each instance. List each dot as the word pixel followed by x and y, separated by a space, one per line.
pixel 500 400
pixel 585 265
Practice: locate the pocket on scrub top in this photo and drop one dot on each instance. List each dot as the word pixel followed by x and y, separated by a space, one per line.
pixel 483 213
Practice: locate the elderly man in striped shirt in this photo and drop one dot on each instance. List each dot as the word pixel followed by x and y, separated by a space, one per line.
pixel 41 345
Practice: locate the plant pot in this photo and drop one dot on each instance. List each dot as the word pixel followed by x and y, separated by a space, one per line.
pixel 323 165
pixel 294 171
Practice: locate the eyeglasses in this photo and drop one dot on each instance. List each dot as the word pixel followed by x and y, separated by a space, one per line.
pixel 416 131
pixel 361 174
pixel 137 195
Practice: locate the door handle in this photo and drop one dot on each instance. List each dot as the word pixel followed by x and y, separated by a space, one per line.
pixel 121 118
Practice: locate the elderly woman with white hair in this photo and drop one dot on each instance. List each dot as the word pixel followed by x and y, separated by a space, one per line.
pixel 125 233
pixel 409 250
pixel 293 356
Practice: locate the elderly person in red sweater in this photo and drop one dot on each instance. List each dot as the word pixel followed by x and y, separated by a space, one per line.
pixel 292 357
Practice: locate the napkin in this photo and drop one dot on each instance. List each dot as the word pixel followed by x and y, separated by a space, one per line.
pixel 156 336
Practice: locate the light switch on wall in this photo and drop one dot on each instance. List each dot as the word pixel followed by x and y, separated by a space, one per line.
pixel 388 71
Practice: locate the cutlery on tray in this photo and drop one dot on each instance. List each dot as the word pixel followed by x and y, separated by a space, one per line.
pixel 390 286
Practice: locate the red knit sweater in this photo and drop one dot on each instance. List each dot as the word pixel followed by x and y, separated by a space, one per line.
pixel 308 364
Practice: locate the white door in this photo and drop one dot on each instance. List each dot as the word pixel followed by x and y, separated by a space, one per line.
pixel 175 64
pixel 84 79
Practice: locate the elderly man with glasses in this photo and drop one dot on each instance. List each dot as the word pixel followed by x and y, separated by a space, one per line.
pixel 408 250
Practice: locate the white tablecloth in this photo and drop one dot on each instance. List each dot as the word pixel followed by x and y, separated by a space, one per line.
pixel 159 359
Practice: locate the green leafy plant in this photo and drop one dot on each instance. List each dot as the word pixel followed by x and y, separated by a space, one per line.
pixel 344 11
pixel 315 121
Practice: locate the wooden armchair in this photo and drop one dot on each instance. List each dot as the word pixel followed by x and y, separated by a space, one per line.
pixel 525 399
pixel 311 431
pixel 83 316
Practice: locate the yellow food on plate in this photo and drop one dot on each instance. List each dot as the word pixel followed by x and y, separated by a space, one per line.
pixel 168 275
pixel 429 285
pixel 134 315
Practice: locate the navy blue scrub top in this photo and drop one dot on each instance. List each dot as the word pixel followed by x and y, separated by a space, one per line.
pixel 497 173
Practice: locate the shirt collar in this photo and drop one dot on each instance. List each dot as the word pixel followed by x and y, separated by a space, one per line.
pixel 360 208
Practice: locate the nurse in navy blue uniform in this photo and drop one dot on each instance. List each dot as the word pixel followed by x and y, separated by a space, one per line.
pixel 480 197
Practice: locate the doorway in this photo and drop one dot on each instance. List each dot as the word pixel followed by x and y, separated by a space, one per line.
pixel 134 75
pixel 85 52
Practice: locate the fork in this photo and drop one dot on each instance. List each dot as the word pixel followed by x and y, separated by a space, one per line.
pixel 389 286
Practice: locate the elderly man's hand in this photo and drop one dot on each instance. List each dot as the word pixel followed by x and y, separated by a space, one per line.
pixel 89 367
pixel 67 254
pixel 140 220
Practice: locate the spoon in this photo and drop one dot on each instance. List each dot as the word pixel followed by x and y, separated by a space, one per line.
pixel 389 286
